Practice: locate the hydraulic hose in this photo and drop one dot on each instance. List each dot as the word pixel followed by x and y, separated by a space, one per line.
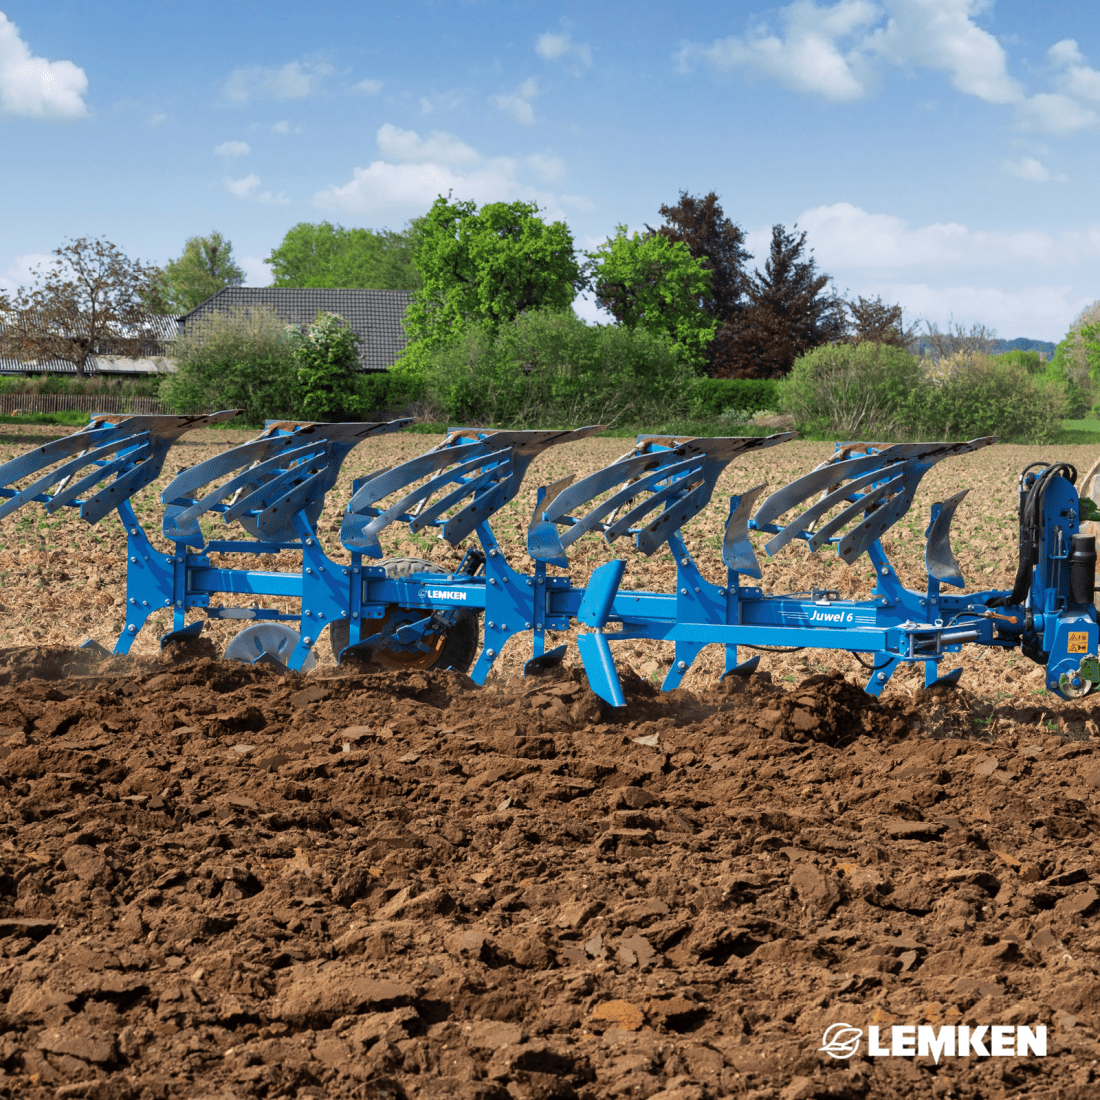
pixel 1031 525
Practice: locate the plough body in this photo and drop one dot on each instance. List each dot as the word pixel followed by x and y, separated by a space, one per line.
pixel 275 487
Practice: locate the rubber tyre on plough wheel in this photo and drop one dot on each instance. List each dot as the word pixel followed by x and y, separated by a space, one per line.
pixel 456 647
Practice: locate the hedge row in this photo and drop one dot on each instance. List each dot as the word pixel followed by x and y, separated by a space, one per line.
pixel 385 390
pixel 711 397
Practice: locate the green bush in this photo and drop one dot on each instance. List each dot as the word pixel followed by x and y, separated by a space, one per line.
pixel 549 368
pixel 1031 361
pixel 388 390
pixel 242 359
pixel 852 391
pixel 327 369
pixel 983 395
pixel 714 397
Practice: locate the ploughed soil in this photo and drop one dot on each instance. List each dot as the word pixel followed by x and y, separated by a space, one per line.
pixel 223 881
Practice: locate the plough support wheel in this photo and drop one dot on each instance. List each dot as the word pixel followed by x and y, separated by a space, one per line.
pixel 265 642
pixel 453 647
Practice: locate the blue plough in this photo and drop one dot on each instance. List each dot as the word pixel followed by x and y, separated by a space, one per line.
pixel 407 613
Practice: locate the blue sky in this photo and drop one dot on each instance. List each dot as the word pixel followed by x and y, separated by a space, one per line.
pixel 941 153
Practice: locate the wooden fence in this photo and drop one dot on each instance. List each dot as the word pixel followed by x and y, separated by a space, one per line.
pixel 12 404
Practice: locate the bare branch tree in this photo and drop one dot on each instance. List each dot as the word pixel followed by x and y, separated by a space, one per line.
pixel 90 301
pixel 958 339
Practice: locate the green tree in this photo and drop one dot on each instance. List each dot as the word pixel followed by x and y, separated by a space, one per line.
pixel 327 255
pixel 92 300
pixel 242 359
pixel 488 265
pixel 653 282
pixel 205 267
pixel 789 311
pixel 719 245
pixel 1090 334
pixel 1076 362
pixel 327 369
pixel 1082 343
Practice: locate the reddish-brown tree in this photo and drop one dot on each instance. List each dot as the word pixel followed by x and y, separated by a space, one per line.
pixel 788 311
pixel 719 244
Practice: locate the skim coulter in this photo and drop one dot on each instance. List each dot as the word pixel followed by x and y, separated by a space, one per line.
pixel 407 613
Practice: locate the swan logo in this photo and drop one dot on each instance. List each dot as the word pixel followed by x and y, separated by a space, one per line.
pixel 841 1040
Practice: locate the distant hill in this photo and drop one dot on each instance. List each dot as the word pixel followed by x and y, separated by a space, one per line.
pixel 1044 347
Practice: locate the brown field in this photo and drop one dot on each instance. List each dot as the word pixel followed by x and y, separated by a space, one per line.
pixel 223 882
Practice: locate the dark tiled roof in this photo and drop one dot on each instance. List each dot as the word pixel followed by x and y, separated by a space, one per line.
pixel 162 328
pixel 375 316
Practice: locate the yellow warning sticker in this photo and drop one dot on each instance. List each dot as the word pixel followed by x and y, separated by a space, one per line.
pixel 1078 642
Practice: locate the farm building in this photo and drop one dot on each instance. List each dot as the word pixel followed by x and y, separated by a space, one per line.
pixel 375 316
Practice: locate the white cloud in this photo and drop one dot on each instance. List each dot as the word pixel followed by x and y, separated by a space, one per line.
pixel 443 101
pixel 34 87
pixel 1028 168
pixel 1034 311
pixel 943 35
pixel 437 146
pixel 517 104
pixel 156 120
pixel 545 167
pixel 1054 113
pixel 368 87
pixel 837 50
pixel 242 188
pixel 233 149
pixel 249 188
pixel 807 59
pixel 1077 78
pixel 558 47
pixel 415 170
pixel 23 270
pixel 295 80
pixel 382 186
pixel 256 271
pixel 1066 110
pixel 1021 282
pixel 844 236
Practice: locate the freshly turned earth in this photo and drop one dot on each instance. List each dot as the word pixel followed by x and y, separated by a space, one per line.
pixel 222 881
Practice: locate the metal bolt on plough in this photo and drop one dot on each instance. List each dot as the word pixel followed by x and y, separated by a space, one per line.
pixel 407 613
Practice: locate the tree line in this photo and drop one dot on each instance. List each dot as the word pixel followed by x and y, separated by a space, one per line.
pixel 491 331
pixel 686 280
